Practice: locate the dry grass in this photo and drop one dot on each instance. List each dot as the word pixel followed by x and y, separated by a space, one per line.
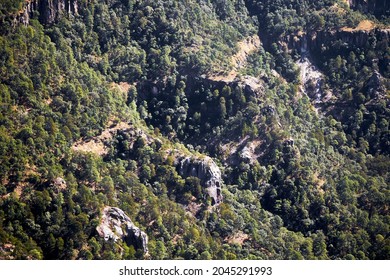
pixel 364 25
pixel 194 207
pixel 347 2
pixel 122 86
pixel 90 146
pixel 320 182
pixel 237 238
pixel 96 144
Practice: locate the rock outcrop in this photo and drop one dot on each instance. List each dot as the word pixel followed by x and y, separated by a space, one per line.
pixel 311 78
pixel 48 10
pixel 207 171
pixel 375 87
pixel 116 225
pixel 59 184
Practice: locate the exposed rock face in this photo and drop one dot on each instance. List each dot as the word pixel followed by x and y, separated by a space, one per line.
pixel 49 10
pixel 116 225
pixel 251 85
pixel 374 86
pixel 353 39
pixel 325 40
pixel 377 7
pixel 208 173
pixel 311 78
pixel 59 184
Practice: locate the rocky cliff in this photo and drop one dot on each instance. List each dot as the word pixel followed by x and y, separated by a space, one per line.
pixel 349 39
pixel 208 173
pixel 375 87
pixel 346 38
pixel 116 225
pixel 376 7
pixel 48 10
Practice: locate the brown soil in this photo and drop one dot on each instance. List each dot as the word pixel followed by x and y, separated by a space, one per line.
pixel 320 182
pixel 237 238
pixel 122 86
pixel 364 25
pixel 96 144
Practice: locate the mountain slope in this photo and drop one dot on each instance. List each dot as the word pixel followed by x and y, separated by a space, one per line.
pixel 195 124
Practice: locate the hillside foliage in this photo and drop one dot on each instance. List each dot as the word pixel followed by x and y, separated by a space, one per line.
pixel 314 186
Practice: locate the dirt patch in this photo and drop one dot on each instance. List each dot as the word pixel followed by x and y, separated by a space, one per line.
pixel 90 146
pixel 113 128
pixel 19 190
pixel 364 25
pixel 245 47
pixel 175 239
pixel 194 207
pixel 237 238
pixel 320 182
pixel 96 145
pixel 122 87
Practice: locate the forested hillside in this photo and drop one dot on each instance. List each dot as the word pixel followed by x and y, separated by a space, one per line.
pixel 186 129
